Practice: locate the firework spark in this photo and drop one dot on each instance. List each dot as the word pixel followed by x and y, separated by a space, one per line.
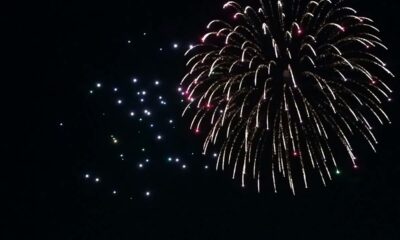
pixel 292 78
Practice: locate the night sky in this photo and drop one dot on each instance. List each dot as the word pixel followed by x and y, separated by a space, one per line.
pixel 103 153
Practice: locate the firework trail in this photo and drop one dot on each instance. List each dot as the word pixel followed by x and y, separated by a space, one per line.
pixel 294 79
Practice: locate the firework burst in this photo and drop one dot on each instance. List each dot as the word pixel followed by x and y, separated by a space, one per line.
pixel 294 79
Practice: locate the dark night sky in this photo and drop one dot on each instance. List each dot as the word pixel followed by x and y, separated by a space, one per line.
pixel 64 48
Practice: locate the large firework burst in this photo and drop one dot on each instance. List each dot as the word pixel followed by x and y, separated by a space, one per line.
pixel 291 79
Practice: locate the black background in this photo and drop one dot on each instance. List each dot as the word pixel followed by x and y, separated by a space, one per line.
pixel 57 50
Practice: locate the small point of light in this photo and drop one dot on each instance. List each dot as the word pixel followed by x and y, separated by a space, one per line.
pixel 184 166
pixel 147 160
pixel 140 165
pixel 337 171
pixel 97 180
pixel 135 80
pixel 157 83
pixel 197 130
pixel 145 34
pixel 115 89
pixel 159 137
pixel 91 91
pixel 206 167
pixel 176 45
pixel 114 192
pixel 215 155
pixel 295 154
pixel 355 167
pixel 191 46
pixel 87 176
pixel 143 149
pixel 61 124
pixel 147 112
pixel 176 159
pixel 132 114
pixel 129 41
pixel 98 85
pixel 161 49
pixel 171 121
pixel 147 193
pixel 179 89
pixel 169 159
pixel 119 101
